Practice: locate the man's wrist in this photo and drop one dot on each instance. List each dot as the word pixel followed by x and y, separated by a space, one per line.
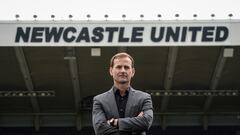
pixel 111 122
pixel 115 124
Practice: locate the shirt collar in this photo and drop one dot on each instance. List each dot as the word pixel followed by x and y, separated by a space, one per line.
pixel 116 90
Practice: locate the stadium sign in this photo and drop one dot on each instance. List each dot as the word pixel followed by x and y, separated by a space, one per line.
pixel 120 33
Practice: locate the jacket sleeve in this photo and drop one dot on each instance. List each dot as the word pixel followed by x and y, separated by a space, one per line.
pixel 99 120
pixel 139 123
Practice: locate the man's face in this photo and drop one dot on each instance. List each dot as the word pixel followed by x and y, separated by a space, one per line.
pixel 122 70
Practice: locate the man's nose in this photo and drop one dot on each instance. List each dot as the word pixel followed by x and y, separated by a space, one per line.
pixel 122 69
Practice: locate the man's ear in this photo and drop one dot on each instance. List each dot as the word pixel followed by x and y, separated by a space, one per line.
pixel 133 72
pixel 110 71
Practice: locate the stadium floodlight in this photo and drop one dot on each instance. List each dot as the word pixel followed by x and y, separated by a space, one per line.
pixel 157 93
pixel 106 16
pixel 88 16
pixel 70 17
pixel 53 16
pixel 177 15
pixel 230 15
pixel 43 94
pixel 17 16
pixel 35 17
pixel 20 94
pixel 159 16
pixel 27 93
pixel 212 15
pixel 194 16
pixel 123 16
pixel 179 93
pixel 141 16
pixel 234 93
pixel 193 92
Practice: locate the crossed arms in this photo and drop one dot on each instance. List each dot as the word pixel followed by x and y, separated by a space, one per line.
pixel 136 124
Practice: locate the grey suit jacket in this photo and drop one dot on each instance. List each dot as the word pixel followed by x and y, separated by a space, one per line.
pixel 105 108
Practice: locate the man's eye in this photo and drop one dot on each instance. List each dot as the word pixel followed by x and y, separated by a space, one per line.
pixel 126 67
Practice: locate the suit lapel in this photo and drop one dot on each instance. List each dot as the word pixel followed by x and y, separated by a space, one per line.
pixel 129 102
pixel 113 104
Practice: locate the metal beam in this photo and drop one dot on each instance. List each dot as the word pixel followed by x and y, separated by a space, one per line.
pixel 215 78
pixel 163 122
pixel 172 57
pixel 79 122
pixel 205 122
pixel 213 85
pixel 72 61
pixel 28 82
pixel 75 83
pixel 37 122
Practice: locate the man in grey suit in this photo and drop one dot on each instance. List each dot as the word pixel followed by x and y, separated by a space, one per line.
pixel 122 110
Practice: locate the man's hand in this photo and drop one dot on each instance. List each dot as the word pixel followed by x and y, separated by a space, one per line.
pixel 113 122
pixel 140 114
pixel 109 122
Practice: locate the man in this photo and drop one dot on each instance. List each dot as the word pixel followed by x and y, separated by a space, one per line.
pixel 122 110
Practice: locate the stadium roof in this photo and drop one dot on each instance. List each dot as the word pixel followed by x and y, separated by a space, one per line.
pixel 193 85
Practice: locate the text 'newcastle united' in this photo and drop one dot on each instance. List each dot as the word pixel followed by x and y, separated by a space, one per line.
pixel 121 34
